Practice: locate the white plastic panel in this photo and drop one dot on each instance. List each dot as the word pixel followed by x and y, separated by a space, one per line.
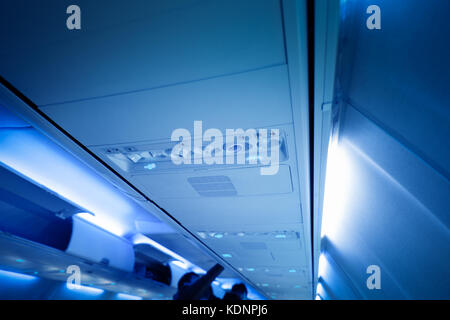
pixel 282 208
pixel 95 244
pixel 384 206
pixel 178 186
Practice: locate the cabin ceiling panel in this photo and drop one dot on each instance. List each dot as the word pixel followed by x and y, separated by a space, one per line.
pixel 247 100
pixel 122 48
pixel 284 208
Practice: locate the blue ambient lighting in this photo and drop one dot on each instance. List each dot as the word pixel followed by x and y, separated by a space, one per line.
pixel 227 255
pixel 125 296
pixel 337 195
pixel 38 158
pixel 227 285
pixel 16 276
pixel 319 289
pixel 181 264
pixel 20 260
pixel 323 265
pixel 85 289
pixel 198 270
pixel 150 166
pixel 141 239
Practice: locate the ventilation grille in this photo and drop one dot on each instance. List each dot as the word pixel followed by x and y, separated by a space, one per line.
pixel 213 186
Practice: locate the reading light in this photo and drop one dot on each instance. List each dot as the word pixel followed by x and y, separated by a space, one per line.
pixel 202 234
pixel 150 166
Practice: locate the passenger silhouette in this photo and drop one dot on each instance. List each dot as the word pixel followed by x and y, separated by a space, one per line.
pixel 193 287
pixel 238 292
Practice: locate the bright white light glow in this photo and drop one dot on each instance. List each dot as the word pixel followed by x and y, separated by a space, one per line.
pixel 198 270
pixel 141 239
pixel 320 290
pixel 150 166
pixel 17 276
pixel 180 264
pixel 102 222
pixel 124 296
pixel 323 266
pixel 227 285
pixel 85 289
pixel 337 190
pixel 39 159
pixel 34 156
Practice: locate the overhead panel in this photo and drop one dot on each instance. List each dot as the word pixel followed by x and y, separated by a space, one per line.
pixel 232 183
pixel 253 99
pixel 123 47
pixel 273 257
